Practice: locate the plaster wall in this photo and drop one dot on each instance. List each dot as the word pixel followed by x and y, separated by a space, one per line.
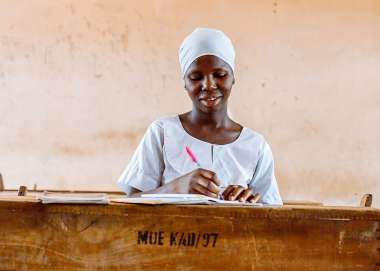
pixel 80 81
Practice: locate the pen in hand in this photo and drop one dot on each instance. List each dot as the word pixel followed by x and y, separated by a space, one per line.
pixel 195 160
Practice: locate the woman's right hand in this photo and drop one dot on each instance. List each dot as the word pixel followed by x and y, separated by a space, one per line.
pixel 199 181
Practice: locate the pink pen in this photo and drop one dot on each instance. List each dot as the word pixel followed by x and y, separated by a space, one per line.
pixel 194 159
pixel 192 156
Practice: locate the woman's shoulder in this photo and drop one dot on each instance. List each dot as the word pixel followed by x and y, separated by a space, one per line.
pixel 251 134
pixel 164 124
pixel 159 128
pixel 164 121
pixel 250 137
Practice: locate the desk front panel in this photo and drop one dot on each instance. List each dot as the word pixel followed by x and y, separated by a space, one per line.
pixel 34 236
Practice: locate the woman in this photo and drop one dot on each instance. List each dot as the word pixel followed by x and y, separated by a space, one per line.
pixel 232 161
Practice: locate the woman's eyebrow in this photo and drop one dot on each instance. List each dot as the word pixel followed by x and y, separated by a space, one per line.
pixel 217 69
pixel 194 73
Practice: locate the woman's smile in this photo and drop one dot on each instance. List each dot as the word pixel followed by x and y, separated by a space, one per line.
pixel 211 101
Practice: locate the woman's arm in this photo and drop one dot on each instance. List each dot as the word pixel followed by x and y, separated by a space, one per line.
pixel 169 188
pixel 144 172
pixel 145 168
pixel 264 180
pixel 199 181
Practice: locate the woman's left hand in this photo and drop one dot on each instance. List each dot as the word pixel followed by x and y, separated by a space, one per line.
pixel 238 192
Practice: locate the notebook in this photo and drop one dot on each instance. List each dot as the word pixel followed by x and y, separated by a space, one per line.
pixel 153 199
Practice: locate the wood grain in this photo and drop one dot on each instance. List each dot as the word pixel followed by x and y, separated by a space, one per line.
pixel 34 236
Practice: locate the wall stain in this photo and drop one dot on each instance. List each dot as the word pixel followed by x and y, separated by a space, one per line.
pixel 101 142
pixel 72 150
pixel 131 136
pixel 99 5
pixel 88 23
pixel 275 6
pixel 72 9
pixel 124 38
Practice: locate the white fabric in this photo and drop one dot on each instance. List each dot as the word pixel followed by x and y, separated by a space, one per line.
pixel 206 41
pixel 161 157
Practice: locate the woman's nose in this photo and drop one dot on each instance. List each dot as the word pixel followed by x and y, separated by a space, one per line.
pixel 209 83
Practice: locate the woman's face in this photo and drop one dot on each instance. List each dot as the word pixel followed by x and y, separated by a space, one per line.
pixel 208 82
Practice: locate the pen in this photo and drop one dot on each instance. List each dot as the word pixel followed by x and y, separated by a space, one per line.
pixel 192 156
pixel 194 159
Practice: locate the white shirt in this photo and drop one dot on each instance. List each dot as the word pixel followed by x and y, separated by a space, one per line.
pixel 161 157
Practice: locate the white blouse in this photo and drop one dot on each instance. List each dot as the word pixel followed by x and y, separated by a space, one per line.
pixel 161 157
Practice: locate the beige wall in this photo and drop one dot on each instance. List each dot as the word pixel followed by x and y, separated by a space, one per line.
pixel 81 80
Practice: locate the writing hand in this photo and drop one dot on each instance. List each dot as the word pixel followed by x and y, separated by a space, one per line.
pixel 200 181
pixel 238 192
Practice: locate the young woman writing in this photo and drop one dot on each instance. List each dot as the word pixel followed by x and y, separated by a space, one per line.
pixel 234 160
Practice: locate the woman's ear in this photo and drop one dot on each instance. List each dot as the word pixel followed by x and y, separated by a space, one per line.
pixel 184 86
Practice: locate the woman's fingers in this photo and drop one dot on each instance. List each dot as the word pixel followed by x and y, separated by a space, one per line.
pixel 228 190
pixel 232 192
pixel 197 188
pixel 208 180
pixel 245 195
pixel 235 193
pixel 210 186
pixel 209 175
pixel 254 198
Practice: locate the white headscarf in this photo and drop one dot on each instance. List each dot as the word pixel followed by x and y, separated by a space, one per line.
pixel 206 41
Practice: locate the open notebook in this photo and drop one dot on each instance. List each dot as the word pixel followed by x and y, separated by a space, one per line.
pixel 153 199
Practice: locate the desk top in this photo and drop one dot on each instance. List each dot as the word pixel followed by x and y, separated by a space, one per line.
pixel 30 203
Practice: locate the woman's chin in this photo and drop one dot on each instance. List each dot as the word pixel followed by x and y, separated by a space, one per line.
pixel 211 109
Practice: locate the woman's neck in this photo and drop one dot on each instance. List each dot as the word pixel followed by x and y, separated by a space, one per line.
pixel 217 119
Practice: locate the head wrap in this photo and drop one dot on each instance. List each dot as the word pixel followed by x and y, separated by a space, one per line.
pixel 206 41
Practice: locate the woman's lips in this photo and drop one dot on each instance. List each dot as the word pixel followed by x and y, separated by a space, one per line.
pixel 210 101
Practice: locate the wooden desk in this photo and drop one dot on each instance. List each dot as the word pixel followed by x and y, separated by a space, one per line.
pixel 34 236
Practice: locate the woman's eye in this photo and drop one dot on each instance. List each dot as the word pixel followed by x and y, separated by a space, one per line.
pixel 220 75
pixel 195 77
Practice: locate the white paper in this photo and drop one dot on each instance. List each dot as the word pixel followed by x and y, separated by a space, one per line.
pixel 77 198
pixel 179 199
